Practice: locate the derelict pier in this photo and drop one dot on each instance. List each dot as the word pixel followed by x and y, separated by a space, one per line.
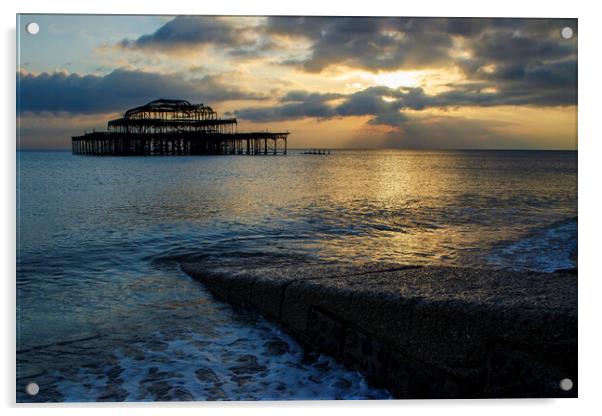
pixel 176 127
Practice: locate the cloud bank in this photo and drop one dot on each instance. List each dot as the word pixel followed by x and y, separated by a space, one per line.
pixel 116 91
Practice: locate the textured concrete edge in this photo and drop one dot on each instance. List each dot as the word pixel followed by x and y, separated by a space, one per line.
pixel 416 349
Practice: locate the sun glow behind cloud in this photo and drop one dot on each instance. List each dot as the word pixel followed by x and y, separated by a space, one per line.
pixel 396 79
pixel 432 81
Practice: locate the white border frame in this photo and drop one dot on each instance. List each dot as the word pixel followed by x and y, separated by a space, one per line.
pixel 589 198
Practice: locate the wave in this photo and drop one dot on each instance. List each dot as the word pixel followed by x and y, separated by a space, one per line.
pixel 547 249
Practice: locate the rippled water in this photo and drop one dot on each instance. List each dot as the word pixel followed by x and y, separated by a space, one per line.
pixel 104 312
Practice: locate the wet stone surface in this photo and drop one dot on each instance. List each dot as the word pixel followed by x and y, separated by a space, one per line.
pixel 424 332
pixel 276 347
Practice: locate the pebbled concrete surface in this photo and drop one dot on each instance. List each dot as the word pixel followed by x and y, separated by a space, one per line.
pixel 423 332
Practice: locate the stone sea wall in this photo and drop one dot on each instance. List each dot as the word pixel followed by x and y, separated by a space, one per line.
pixel 422 332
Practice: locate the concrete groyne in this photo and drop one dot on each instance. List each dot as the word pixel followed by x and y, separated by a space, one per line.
pixel 422 332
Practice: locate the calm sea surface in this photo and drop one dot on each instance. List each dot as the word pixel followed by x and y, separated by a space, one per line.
pixel 105 313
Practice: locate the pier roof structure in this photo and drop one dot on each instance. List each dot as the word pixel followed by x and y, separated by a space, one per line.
pixel 172 116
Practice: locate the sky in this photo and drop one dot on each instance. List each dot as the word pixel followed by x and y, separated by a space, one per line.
pixel 333 82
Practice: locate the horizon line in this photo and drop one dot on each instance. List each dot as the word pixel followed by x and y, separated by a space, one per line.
pixel 66 149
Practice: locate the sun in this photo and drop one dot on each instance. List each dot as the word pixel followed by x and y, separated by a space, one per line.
pixel 358 80
pixel 397 79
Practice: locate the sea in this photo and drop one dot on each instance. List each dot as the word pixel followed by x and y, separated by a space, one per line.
pixel 105 313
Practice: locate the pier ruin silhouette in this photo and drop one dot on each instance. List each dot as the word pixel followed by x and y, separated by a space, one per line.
pixel 177 127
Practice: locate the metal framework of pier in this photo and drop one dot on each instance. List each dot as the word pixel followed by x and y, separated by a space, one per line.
pixel 176 127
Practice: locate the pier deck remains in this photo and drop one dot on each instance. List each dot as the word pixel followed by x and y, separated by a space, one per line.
pixel 176 127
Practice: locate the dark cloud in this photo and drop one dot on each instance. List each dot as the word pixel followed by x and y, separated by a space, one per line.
pixel 386 44
pixel 508 46
pixel 524 60
pixel 302 104
pixel 389 118
pixel 555 87
pixel 370 43
pixel 301 95
pixel 293 105
pixel 529 83
pixel 186 31
pixel 517 57
pixel 117 91
pixel 368 101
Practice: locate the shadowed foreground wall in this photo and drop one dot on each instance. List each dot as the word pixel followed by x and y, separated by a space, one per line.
pixel 422 332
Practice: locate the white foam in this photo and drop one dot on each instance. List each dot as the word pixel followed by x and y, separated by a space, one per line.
pixel 546 251
pixel 172 371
